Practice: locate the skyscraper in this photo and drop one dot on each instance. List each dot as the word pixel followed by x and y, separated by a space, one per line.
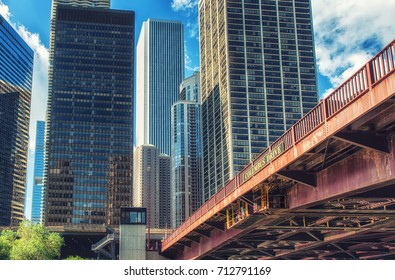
pixel 164 191
pixel 146 182
pixel 90 116
pixel 38 174
pixel 105 4
pixel 82 3
pixel 258 77
pixel 186 186
pixel 160 70
pixel 151 185
pixel 16 69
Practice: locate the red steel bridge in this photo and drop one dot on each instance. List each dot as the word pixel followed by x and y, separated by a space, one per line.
pixel 324 190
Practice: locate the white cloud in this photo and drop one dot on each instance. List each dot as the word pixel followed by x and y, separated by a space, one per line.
pixel 188 61
pixel 349 33
pixel 5 11
pixel 193 29
pixel 40 80
pixel 183 5
pixel 40 73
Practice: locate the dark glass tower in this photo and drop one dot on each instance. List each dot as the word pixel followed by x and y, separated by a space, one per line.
pixel 16 68
pixel 258 77
pixel 90 117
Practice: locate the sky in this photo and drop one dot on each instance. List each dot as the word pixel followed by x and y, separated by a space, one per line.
pixel 347 34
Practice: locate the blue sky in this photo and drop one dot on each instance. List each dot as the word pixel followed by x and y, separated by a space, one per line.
pixel 36 20
pixel 347 34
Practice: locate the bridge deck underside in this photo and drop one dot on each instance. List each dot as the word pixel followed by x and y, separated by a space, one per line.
pixel 341 203
pixel 356 227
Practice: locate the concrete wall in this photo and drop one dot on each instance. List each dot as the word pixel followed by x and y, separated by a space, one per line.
pixel 132 242
pixel 154 255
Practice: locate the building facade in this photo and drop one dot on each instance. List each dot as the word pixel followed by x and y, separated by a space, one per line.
pixel 160 70
pixel 16 69
pixel 151 185
pixel 90 117
pixel 38 174
pixel 146 182
pixel 105 4
pixel 258 77
pixel 186 169
pixel 164 191
pixel 132 234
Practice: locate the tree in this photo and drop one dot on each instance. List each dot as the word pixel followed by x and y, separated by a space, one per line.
pixel 75 258
pixel 7 239
pixel 30 242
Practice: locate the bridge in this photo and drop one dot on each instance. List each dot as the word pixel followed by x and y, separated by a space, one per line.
pixel 324 190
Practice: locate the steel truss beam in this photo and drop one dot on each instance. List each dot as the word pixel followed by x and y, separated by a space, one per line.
pixel 205 233
pixel 344 213
pixel 217 225
pixel 343 235
pixel 305 178
pixel 367 140
pixel 193 238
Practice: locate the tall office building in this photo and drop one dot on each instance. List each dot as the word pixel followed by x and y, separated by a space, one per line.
pixel 151 185
pixel 186 186
pixel 38 174
pixel 90 117
pixel 164 191
pixel 160 70
pixel 258 77
pixel 81 3
pixel 16 70
pixel 146 182
pixel 105 4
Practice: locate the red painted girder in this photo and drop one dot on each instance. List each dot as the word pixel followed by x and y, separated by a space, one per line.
pixel 217 238
pixel 360 172
pixel 380 93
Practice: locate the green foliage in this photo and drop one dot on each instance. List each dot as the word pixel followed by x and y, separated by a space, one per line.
pixel 7 238
pixel 75 258
pixel 30 242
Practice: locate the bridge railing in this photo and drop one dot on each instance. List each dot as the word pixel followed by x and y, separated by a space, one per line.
pixel 383 63
pixel 309 122
pixel 347 92
pixel 372 73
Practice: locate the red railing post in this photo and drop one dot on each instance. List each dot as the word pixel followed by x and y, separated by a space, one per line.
pixel 293 137
pixel 325 101
pixel 369 74
pixel 391 56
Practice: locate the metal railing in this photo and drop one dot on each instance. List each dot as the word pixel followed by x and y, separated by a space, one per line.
pixel 372 73
pixel 103 242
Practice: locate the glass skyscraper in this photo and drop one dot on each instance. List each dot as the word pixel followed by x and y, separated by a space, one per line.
pixel 16 69
pixel 160 70
pixel 105 4
pixel 38 174
pixel 258 77
pixel 186 186
pixel 90 116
